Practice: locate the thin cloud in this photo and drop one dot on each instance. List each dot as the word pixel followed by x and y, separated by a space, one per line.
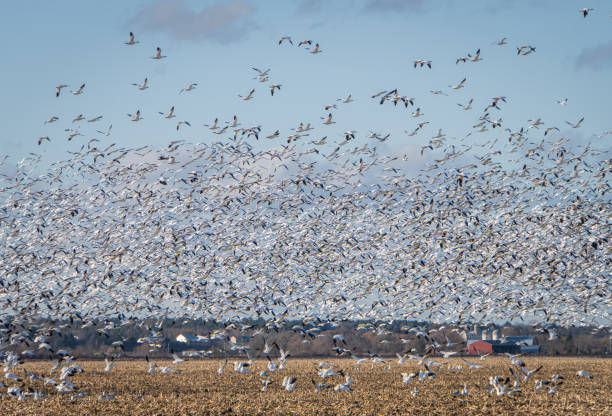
pixel 597 57
pixel 391 6
pixel 224 22
pixel 309 6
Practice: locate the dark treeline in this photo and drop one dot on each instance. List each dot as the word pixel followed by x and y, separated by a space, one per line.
pixel 158 338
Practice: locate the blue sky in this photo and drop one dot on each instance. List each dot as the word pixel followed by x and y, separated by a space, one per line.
pixel 368 46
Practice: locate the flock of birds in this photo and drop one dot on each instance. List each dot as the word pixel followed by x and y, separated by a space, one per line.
pixel 516 228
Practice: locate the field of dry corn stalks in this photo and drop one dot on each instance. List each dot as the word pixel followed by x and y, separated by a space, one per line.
pixel 197 389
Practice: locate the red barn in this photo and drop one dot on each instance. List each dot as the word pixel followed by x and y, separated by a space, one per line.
pixel 482 347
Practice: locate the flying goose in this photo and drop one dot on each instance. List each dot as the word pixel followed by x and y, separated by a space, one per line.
pixel 189 87
pixel 131 40
pixel 78 91
pixel 273 87
pixel 586 11
pixel 248 96
pixel 285 38
pixel 142 86
pixel 169 114
pixel 158 54
pixel 58 89
pixel 135 117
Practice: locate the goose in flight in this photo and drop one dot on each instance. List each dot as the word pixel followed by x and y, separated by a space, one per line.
pixel 316 49
pixel 273 87
pixel 260 73
pixel 476 56
pixel 41 139
pixel 109 364
pixel 78 118
pixel 248 96
pixel 169 114
pixel 107 132
pixel 188 87
pixel 143 86
pixel 284 38
pixel 472 365
pixel 575 126
pixel 328 120
pixel 289 383
pixel 131 40
pixel 467 106
pixel 562 102
pixel 525 50
pixel 463 59
pixel 459 85
pixel 135 117
pixel 178 125
pixel 212 126
pixel 305 42
pixel 272 136
pixel 501 42
pixel 78 91
pixel 549 129
pixel 93 120
pixel 58 89
pixel 422 62
pixel 583 373
pixel 418 113
pixel 346 100
pixel 585 11
pixel 52 120
pixel 438 92
pixel 158 54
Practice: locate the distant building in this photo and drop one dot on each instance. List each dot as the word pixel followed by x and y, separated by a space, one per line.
pixel 513 345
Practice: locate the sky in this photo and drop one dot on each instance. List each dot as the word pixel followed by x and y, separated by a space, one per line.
pixel 367 46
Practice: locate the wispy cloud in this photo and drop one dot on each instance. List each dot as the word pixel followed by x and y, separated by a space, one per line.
pixel 597 57
pixel 391 6
pixel 309 6
pixel 224 22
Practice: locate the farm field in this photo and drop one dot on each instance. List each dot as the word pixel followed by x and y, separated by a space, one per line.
pixel 196 388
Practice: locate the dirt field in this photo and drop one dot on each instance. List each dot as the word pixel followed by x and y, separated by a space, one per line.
pixel 197 389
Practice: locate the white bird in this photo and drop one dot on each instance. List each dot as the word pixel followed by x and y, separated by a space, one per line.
pixel 459 85
pixel 586 11
pixel 407 377
pixel 562 102
pixel 285 38
pixel 472 365
pixel 189 87
pixel 158 54
pixel 501 42
pixel 328 120
pixel 467 106
pixel 58 89
pixel 94 119
pixel 273 87
pixel 80 117
pixel 289 383
pixel 169 114
pixel 583 373
pixel 422 62
pixel 43 138
pixel 176 358
pixel 316 49
pixel 248 96
pixel 135 117
pixel 180 123
pixel 109 364
pixel 79 90
pixel 476 56
pixel 131 40
pixel 107 132
pixel 575 126
pixel 52 120
pixel 142 86
pixel 346 100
